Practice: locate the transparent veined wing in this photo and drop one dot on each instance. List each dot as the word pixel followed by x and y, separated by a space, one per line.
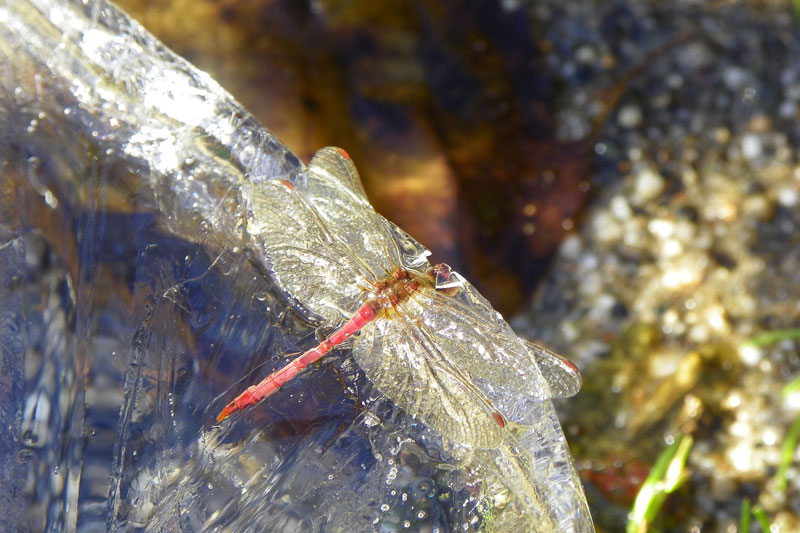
pixel 335 182
pixel 322 240
pixel 561 375
pixel 308 262
pixel 399 359
pixel 482 345
pixel 464 315
pixel 335 191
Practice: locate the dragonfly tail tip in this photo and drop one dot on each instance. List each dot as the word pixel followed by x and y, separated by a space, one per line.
pixel 224 414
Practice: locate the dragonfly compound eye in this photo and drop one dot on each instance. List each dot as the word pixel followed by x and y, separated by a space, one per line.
pixel 445 280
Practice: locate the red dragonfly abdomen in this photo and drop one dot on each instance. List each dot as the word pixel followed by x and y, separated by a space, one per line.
pixel 255 393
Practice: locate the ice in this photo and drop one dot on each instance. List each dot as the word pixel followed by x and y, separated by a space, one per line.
pixel 13 456
pixel 130 302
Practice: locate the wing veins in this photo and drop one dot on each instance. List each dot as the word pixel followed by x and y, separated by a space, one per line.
pixel 455 312
pixel 437 363
pixel 370 220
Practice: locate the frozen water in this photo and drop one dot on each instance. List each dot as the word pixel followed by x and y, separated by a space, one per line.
pixel 129 301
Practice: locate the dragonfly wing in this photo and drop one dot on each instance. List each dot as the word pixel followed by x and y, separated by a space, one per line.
pixel 338 176
pixel 322 240
pixel 561 375
pixel 307 261
pixel 476 339
pixel 407 369
pixel 335 191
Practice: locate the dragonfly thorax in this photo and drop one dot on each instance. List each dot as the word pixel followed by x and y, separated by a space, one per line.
pixel 396 288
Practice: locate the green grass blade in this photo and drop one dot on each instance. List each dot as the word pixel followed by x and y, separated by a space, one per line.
pixel 744 517
pixel 777 335
pixel 787 453
pixel 796 6
pixel 794 385
pixel 665 476
pixel 761 518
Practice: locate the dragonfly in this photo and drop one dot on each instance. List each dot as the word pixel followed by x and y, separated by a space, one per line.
pixel 422 334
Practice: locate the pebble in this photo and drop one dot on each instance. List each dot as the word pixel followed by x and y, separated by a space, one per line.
pixel 722 135
pixel 648 184
pixel 586 54
pixel 695 56
pixel 630 116
pixel 751 146
pixel 699 237
pixel 787 196
pixel 620 208
pixel 788 109
pixel 607 229
pixel 735 77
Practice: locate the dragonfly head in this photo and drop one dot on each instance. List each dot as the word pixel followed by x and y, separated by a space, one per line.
pixel 445 279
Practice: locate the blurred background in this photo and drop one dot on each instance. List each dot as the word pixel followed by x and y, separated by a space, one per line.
pixel 620 179
pixel 449 111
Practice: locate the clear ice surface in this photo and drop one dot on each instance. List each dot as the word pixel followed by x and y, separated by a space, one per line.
pixel 132 298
